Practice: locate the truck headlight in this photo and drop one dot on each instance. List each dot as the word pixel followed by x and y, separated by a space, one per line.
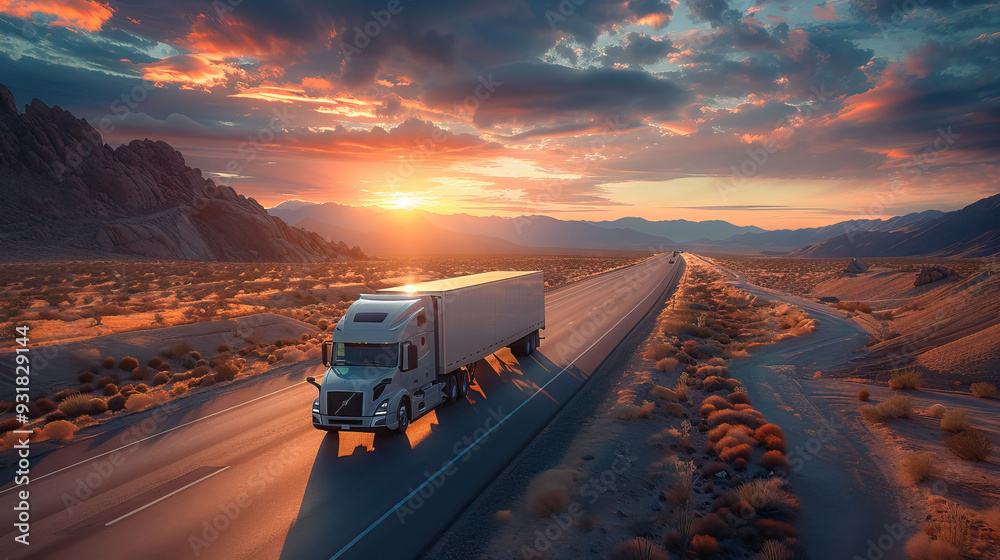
pixel 382 408
pixel 316 406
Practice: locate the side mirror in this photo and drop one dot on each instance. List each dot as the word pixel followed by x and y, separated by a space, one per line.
pixel 409 357
pixel 312 381
pixel 327 348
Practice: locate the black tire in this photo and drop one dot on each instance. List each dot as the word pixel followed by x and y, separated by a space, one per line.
pixel 521 347
pixel 462 383
pixel 403 417
pixel 451 389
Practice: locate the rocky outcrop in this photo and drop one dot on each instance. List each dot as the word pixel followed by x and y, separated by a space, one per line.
pixel 932 274
pixel 856 266
pixel 61 186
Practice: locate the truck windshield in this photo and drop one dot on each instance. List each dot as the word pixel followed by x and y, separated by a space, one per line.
pixel 359 354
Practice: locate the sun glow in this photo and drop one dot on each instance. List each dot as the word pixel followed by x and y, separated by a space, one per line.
pixel 404 201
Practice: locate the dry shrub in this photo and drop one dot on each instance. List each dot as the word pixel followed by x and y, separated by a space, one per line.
pixel 704 545
pixel 224 348
pixel 97 406
pixel 682 391
pixel 750 418
pixel 86 388
pixel 549 492
pixel 108 362
pixel 45 405
pixel 178 389
pixel 85 377
pixel 774 529
pixel 117 403
pixel 674 409
pixel 983 390
pixel 768 496
pixel 907 379
pixel 201 371
pixel 660 351
pixel 664 393
pixel 775 550
pixel 638 548
pixel 897 406
pixel 503 515
pixel 917 467
pixel 738 398
pixel 936 411
pixel 226 371
pixel 161 378
pixel 863 394
pixel 956 527
pixel 740 451
pixel 180 349
pixel 769 432
pixel 717 402
pixel 666 364
pixel 138 401
pixel 955 420
pixel 922 547
pixel 128 363
pixel 774 460
pixel 712 524
pixel 104 382
pixel 714 468
pixel 155 362
pixel 141 388
pixel 629 411
pixel 110 389
pixel 59 429
pixel 971 445
pixel 705 409
pixel 140 373
pixel 75 405
pixel 9 425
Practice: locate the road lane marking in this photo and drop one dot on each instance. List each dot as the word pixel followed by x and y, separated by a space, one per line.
pixel 155 435
pixel 158 500
pixel 449 464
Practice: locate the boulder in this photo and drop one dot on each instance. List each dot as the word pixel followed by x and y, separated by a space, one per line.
pixel 856 266
pixel 932 274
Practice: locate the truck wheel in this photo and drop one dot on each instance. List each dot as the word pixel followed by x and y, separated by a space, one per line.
pixel 462 382
pixel 521 347
pixel 402 417
pixel 451 388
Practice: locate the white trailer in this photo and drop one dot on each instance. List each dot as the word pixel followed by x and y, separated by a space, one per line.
pixel 398 353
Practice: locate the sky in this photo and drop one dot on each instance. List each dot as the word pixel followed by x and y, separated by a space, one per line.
pixel 771 113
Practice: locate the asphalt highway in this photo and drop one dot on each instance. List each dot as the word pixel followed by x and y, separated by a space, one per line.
pixel 245 475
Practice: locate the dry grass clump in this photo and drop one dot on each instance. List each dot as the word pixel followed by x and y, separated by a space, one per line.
pixel 128 363
pixel 768 496
pixel 775 460
pixel 907 379
pixel 638 548
pixel 629 411
pixel 738 451
pixel 971 445
pixel 179 349
pixel 955 420
pixel 59 429
pixel 897 406
pixel 922 547
pixel 738 398
pixel 704 546
pixel 956 528
pixel 748 417
pixel 161 378
pixel 110 389
pixel 666 364
pixel 936 411
pixel 863 394
pixel 549 492
pixel 9 425
pixel 685 475
pixel 138 401
pixel 659 351
pixel 85 377
pixel 775 550
pixel 664 393
pixel 984 390
pixel 855 306
pixel 917 467
pixel 75 405
pixel 117 403
pixel 676 410
pixel 108 362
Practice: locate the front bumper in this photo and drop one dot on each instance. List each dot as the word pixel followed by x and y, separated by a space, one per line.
pixel 353 424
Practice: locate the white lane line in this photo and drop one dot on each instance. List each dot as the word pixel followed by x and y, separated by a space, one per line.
pixel 154 436
pixel 480 438
pixel 158 500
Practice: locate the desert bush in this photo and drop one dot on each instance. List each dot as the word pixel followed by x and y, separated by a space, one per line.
pixel 740 451
pixel 682 391
pixel 86 388
pixel 659 351
pixel 955 420
pixel 740 464
pixel 717 402
pixel 9 425
pixel 549 491
pixel 750 418
pixel 201 371
pixel 45 405
pixel 768 496
pixel 110 389
pixel 704 546
pixel 56 415
pixel 85 377
pixel 774 460
pixel 75 405
pixel 922 547
pixel 155 362
pixel 897 406
pixel 226 371
pixel 685 475
pixel 97 406
pixel 936 411
pixel 164 367
pixel 907 379
pixel 128 363
pixel 224 348
pixel 179 349
pixel 666 364
pixel 956 528
pixel 629 411
pixel 714 468
pixel 855 306
pixel 140 373
pixel 774 529
pixel 711 524
pixel 65 393
pixel 59 430
pixel 141 388
pixel 204 381
pixel 917 467
pixel 984 390
pixel 664 393
pixel 161 378
pixel 863 394
pixel 971 445
pixel 104 381
pixel 738 398
pixel 674 409
pixel 179 389
pixel 638 548
pixel 108 362
pixel 138 401
pixel 117 403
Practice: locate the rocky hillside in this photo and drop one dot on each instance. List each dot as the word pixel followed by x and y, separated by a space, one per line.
pixel 66 194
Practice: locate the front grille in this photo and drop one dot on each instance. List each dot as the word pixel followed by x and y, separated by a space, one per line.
pixel 345 421
pixel 344 403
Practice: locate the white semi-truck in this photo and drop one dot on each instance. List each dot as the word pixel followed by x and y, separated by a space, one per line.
pixel 400 352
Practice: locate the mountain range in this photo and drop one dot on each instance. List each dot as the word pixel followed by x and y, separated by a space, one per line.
pixel 67 195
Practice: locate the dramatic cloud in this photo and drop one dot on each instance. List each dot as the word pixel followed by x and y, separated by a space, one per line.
pixel 83 14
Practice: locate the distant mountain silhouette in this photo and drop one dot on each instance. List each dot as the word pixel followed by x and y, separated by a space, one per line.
pixel 973 231
pixel 682 230
pixel 66 194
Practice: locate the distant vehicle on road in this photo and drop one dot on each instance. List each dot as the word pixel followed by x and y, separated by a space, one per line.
pixel 400 352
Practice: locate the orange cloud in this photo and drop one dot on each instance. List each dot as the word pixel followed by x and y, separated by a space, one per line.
pixel 825 13
pixel 317 83
pixel 189 71
pixel 232 38
pixel 83 14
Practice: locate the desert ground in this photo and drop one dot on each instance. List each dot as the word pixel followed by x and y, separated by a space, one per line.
pixel 110 338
